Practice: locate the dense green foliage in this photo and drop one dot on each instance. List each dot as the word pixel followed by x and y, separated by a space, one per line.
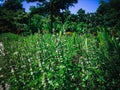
pixel 57 16
pixel 12 17
pixel 53 49
pixel 45 62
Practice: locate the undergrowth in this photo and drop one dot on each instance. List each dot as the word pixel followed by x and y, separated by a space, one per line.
pixel 60 62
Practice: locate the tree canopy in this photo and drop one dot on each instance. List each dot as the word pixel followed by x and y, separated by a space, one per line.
pixel 13 16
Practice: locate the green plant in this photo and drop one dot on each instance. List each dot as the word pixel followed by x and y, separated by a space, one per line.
pixel 70 26
pixel 61 62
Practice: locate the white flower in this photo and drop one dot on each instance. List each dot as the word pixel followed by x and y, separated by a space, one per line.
pixel 56 51
pixel 1 76
pixel 29 60
pixel 2 49
pixel 12 70
pixel 37 42
pixel 31 73
pixel 15 53
pixel 1 46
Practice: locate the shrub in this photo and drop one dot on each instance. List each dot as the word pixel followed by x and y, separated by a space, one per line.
pixel 51 62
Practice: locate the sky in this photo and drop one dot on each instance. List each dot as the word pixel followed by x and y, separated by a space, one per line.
pixel 27 5
pixel 87 5
pixel 1 2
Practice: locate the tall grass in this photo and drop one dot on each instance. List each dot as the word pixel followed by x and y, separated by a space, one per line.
pixel 50 62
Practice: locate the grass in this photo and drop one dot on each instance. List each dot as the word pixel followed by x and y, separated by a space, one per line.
pixel 62 62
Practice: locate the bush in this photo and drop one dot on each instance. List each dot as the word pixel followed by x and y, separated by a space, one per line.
pixel 50 62
pixel 70 26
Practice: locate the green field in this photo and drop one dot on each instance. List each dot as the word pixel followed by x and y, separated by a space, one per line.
pixel 60 62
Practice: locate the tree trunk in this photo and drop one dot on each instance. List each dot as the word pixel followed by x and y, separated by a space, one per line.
pixel 51 22
pixel 51 17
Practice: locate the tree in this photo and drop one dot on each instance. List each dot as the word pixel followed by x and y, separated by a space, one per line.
pixel 53 7
pixel 14 5
pixel 12 16
pixel 72 18
pixel 110 12
pixel 64 14
pixel 36 23
pixel 81 15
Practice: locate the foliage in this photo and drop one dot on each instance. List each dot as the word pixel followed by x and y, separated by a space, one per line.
pixel 83 55
pixel 13 5
pixel 61 62
pixel 36 23
pixel 81 15
pixel 70 26
pixel 57 16
pixel 12 17
pixel 109 12
pixel 81 28
pixel 46 24
pixel 57 25
pixel 53 8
